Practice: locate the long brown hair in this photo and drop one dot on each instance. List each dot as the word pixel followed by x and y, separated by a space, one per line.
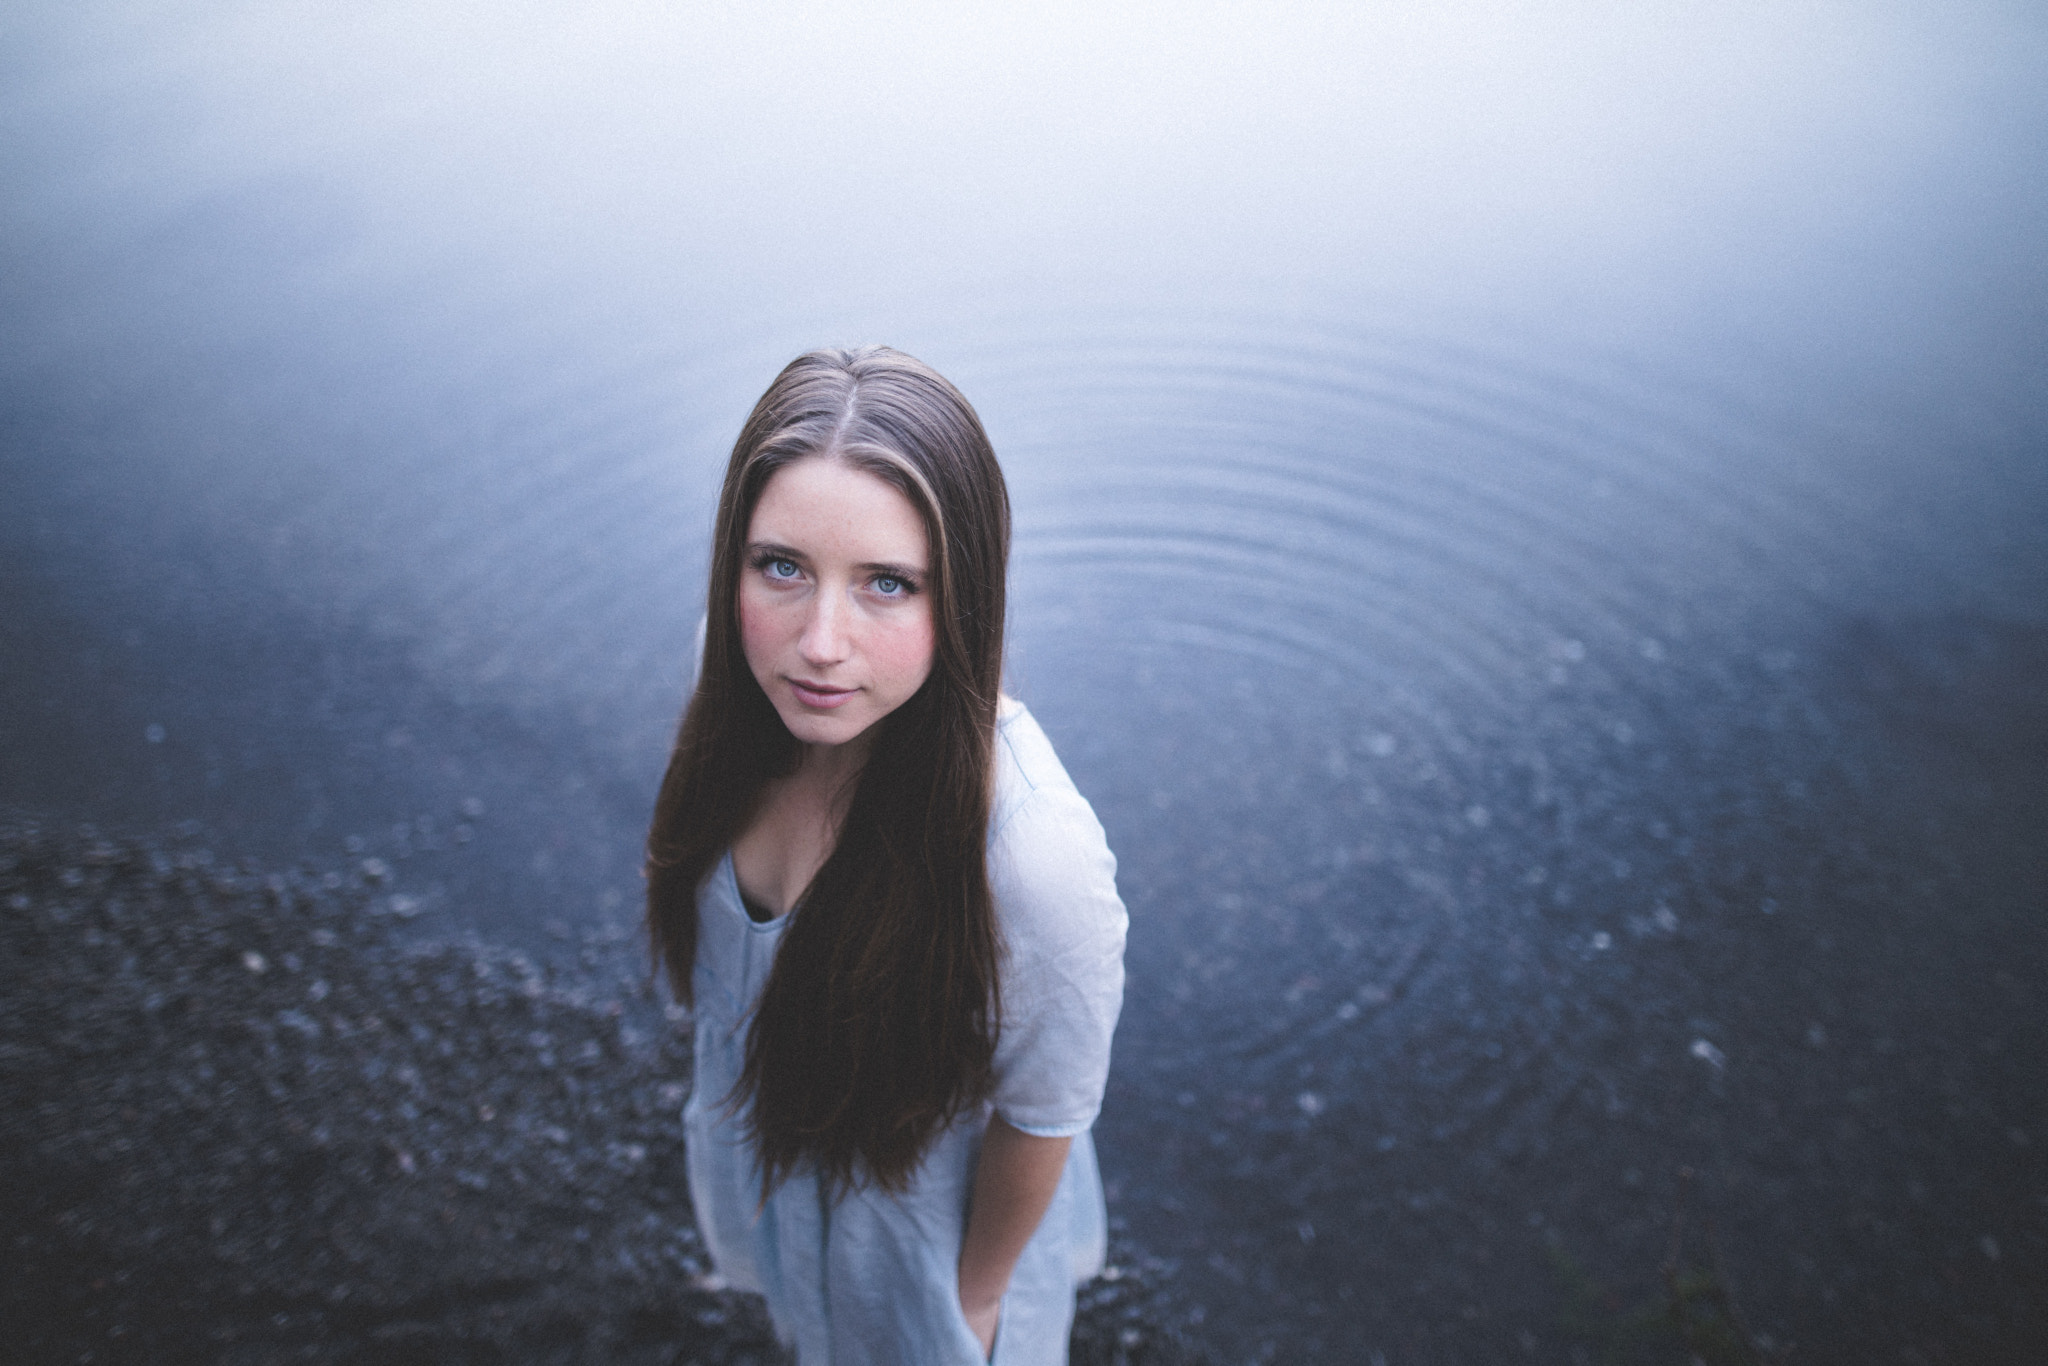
pixel 878 1023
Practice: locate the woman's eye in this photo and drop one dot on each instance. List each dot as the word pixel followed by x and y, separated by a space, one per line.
pixel 889 586
pixel 782 569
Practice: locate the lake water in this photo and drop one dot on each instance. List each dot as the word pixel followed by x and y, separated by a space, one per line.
pixel 1532 531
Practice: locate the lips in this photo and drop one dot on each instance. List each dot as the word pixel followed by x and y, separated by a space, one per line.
pixel 819 695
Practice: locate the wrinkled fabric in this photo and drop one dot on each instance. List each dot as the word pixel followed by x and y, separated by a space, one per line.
pixel 872 1277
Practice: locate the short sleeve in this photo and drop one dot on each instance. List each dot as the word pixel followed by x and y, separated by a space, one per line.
pixel 1062 981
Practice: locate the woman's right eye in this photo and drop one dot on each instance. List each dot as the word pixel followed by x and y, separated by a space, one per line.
pixel 781 569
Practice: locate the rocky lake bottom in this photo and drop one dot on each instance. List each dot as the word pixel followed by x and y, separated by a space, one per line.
pixel 254 1117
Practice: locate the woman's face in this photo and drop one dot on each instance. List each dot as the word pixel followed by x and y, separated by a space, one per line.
pixel 835 617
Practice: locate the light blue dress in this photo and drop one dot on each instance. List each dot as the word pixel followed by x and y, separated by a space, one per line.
pixel 872 1278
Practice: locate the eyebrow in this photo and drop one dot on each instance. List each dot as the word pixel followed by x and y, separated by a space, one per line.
pixel 882 568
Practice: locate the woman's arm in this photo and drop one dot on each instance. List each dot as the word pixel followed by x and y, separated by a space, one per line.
pixel 1013 1184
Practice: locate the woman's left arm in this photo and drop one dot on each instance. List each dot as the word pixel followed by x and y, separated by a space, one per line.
pixel 1013 1183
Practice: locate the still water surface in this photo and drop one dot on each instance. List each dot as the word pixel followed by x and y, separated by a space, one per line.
pixel 1530 532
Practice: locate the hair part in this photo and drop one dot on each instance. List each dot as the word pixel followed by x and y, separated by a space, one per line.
pixel 879 1020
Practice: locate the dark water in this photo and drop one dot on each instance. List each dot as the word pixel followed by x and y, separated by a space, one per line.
pixel 1531 532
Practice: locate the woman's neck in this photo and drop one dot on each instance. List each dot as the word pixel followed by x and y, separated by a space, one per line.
pixel 797 826
pixel 830 771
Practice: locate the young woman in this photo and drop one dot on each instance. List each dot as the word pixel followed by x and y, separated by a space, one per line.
pixel 894 917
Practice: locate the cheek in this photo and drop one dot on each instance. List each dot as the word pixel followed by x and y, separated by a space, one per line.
pixel 758 632
pixel 904 655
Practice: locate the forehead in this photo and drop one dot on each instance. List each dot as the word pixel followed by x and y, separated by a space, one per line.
pixel 833 510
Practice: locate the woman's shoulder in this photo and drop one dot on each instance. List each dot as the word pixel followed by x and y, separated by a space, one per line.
pixel 1049 860
pixel 1028 774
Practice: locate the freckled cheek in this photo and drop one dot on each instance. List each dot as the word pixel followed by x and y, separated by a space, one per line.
pixel 902 655
pixel 762 632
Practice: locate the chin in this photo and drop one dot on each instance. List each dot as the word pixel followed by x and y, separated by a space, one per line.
pixel 826 730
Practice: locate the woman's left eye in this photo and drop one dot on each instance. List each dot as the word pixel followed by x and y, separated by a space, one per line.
pixel 890 587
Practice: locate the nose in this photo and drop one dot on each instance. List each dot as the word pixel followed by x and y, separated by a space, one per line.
pixel 826 640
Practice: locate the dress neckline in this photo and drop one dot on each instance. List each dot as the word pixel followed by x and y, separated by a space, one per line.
pixel 746 907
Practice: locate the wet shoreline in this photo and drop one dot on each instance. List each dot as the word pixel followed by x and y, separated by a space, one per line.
pixel 252 1119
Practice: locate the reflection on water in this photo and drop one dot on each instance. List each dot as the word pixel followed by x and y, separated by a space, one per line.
pixel 1537 764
